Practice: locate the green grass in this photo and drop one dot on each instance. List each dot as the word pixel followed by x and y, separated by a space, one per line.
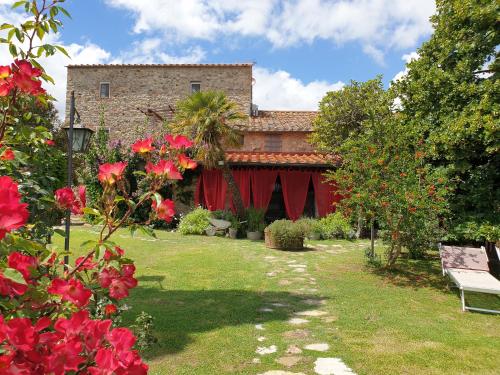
pixel 205 294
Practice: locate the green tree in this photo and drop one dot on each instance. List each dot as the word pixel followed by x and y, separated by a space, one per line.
pixel 210 119
pixel 346 110
pixel 451 94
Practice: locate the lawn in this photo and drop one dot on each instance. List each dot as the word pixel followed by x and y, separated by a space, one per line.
pixel 210 295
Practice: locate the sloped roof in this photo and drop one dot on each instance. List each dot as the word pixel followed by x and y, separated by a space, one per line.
pixel 281 158
pixel 276 121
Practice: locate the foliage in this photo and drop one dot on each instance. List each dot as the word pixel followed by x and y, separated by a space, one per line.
pixel 143 328
pixel 384 177
pixel 335 226
pixel 451 95
pixel 255 220
pixel 286 234
pixel 474 232
pixel 348 109
pixel 194 222
pixel 211 119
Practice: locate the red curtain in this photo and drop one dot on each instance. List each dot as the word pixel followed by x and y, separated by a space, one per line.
pixel 324 194
pixel 242 179
pixel 263 181
pixel 295 185
pixel 214 189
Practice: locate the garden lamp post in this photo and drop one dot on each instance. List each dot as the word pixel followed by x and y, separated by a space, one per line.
pixel 78 142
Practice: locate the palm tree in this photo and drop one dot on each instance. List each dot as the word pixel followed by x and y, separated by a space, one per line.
pixel 210 119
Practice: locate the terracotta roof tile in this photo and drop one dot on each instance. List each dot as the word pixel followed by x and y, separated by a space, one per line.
pixel 282 121
pixel 154 65
pixel 281 158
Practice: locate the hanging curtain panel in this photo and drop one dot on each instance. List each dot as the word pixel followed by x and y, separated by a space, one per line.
pixel 295 184
pixel 198 198
pixel 324 194
pixel 263 181
pixel 214 189
pixel 242 179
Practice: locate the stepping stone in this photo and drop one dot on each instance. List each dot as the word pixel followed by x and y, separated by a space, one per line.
pixel 332 366
pixel 311 313
pixel 272 274
pixel 298 321
pixel 256 360
pixel 293 349
pixel 329 319
pixel 321 245
pixel 261 338
pixel 291 261
pixel 289 361
pixel 279 304
pixel 263 350
pixel 300 270
pixel 297 265
pixel 260 327
pixel 265 309
pixel 269 257
pixel 298 334
pixel 323 347
pixel 281 372
pixel 284 282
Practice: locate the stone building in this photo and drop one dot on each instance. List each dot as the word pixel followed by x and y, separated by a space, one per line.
pixel 275 167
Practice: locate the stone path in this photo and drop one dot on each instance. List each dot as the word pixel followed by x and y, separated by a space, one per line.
pixel 301 346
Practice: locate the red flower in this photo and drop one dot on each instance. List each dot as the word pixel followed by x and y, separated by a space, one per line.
pixel 179 141
pixel 25 67
pixel 163 150
pixel 72 291
pixel 13 214
pixel 85 265
pixel 7 154
pixel 5 71
pixel 186 163
pixel 20 333
pixel 11 288
pixel 118 288
pixel 143 146
pixel 23 263
pixel 25 78
pixel 110 309
pixel 65 198
pixel 109 255
pixel 164 168
pixel 128 270
pixel 72 327
pixel 50 142
pixel 5 88
pixel 107 275
pixel 118 282
pixel 110 173
pixel 65 357
pixel 165 210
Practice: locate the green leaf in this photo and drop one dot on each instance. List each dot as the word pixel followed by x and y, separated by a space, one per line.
pixel 6 26
pixel 14 275
pixel 64 11
pixel 19 3
pixel 91 211
pixel 60 232
pixel 63 51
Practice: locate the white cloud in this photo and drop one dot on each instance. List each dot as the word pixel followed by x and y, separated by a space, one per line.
pixel 279 90
pixel 378 25
pixel 149 51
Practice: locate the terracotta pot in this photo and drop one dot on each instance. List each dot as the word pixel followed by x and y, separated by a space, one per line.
pixel 254 236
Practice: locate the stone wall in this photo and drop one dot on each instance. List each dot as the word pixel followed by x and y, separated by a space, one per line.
pixel 291 141
pixel 136 88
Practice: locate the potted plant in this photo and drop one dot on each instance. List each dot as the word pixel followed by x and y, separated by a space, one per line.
pixel 255 223
pixel 285 235
pixel 315 231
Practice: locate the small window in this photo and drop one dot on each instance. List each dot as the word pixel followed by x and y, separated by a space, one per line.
pixel 104 90
pixel 195 87
pixel 273 142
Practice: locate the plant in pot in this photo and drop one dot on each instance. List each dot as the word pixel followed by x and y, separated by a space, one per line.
pixel 285 235
pixel 312 228
pixel 255 223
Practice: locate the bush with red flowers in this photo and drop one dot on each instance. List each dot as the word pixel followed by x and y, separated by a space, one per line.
pixel 52 315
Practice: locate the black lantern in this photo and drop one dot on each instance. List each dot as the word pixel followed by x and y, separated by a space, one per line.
pixel 81 138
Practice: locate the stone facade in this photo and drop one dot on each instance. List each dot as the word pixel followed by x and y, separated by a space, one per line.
pixel 139 89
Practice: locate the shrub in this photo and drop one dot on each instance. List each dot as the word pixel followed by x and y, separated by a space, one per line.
pixel 310 226
pixel 255 220
pixel 335 226
pixel 143 329
pixel 194 222
pixel 286 234
pixel 474 232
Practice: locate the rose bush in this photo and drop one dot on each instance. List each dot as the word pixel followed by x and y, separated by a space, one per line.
pixel 49 310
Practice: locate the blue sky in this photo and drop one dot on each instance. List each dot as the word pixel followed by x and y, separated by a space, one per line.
pixel 302 48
